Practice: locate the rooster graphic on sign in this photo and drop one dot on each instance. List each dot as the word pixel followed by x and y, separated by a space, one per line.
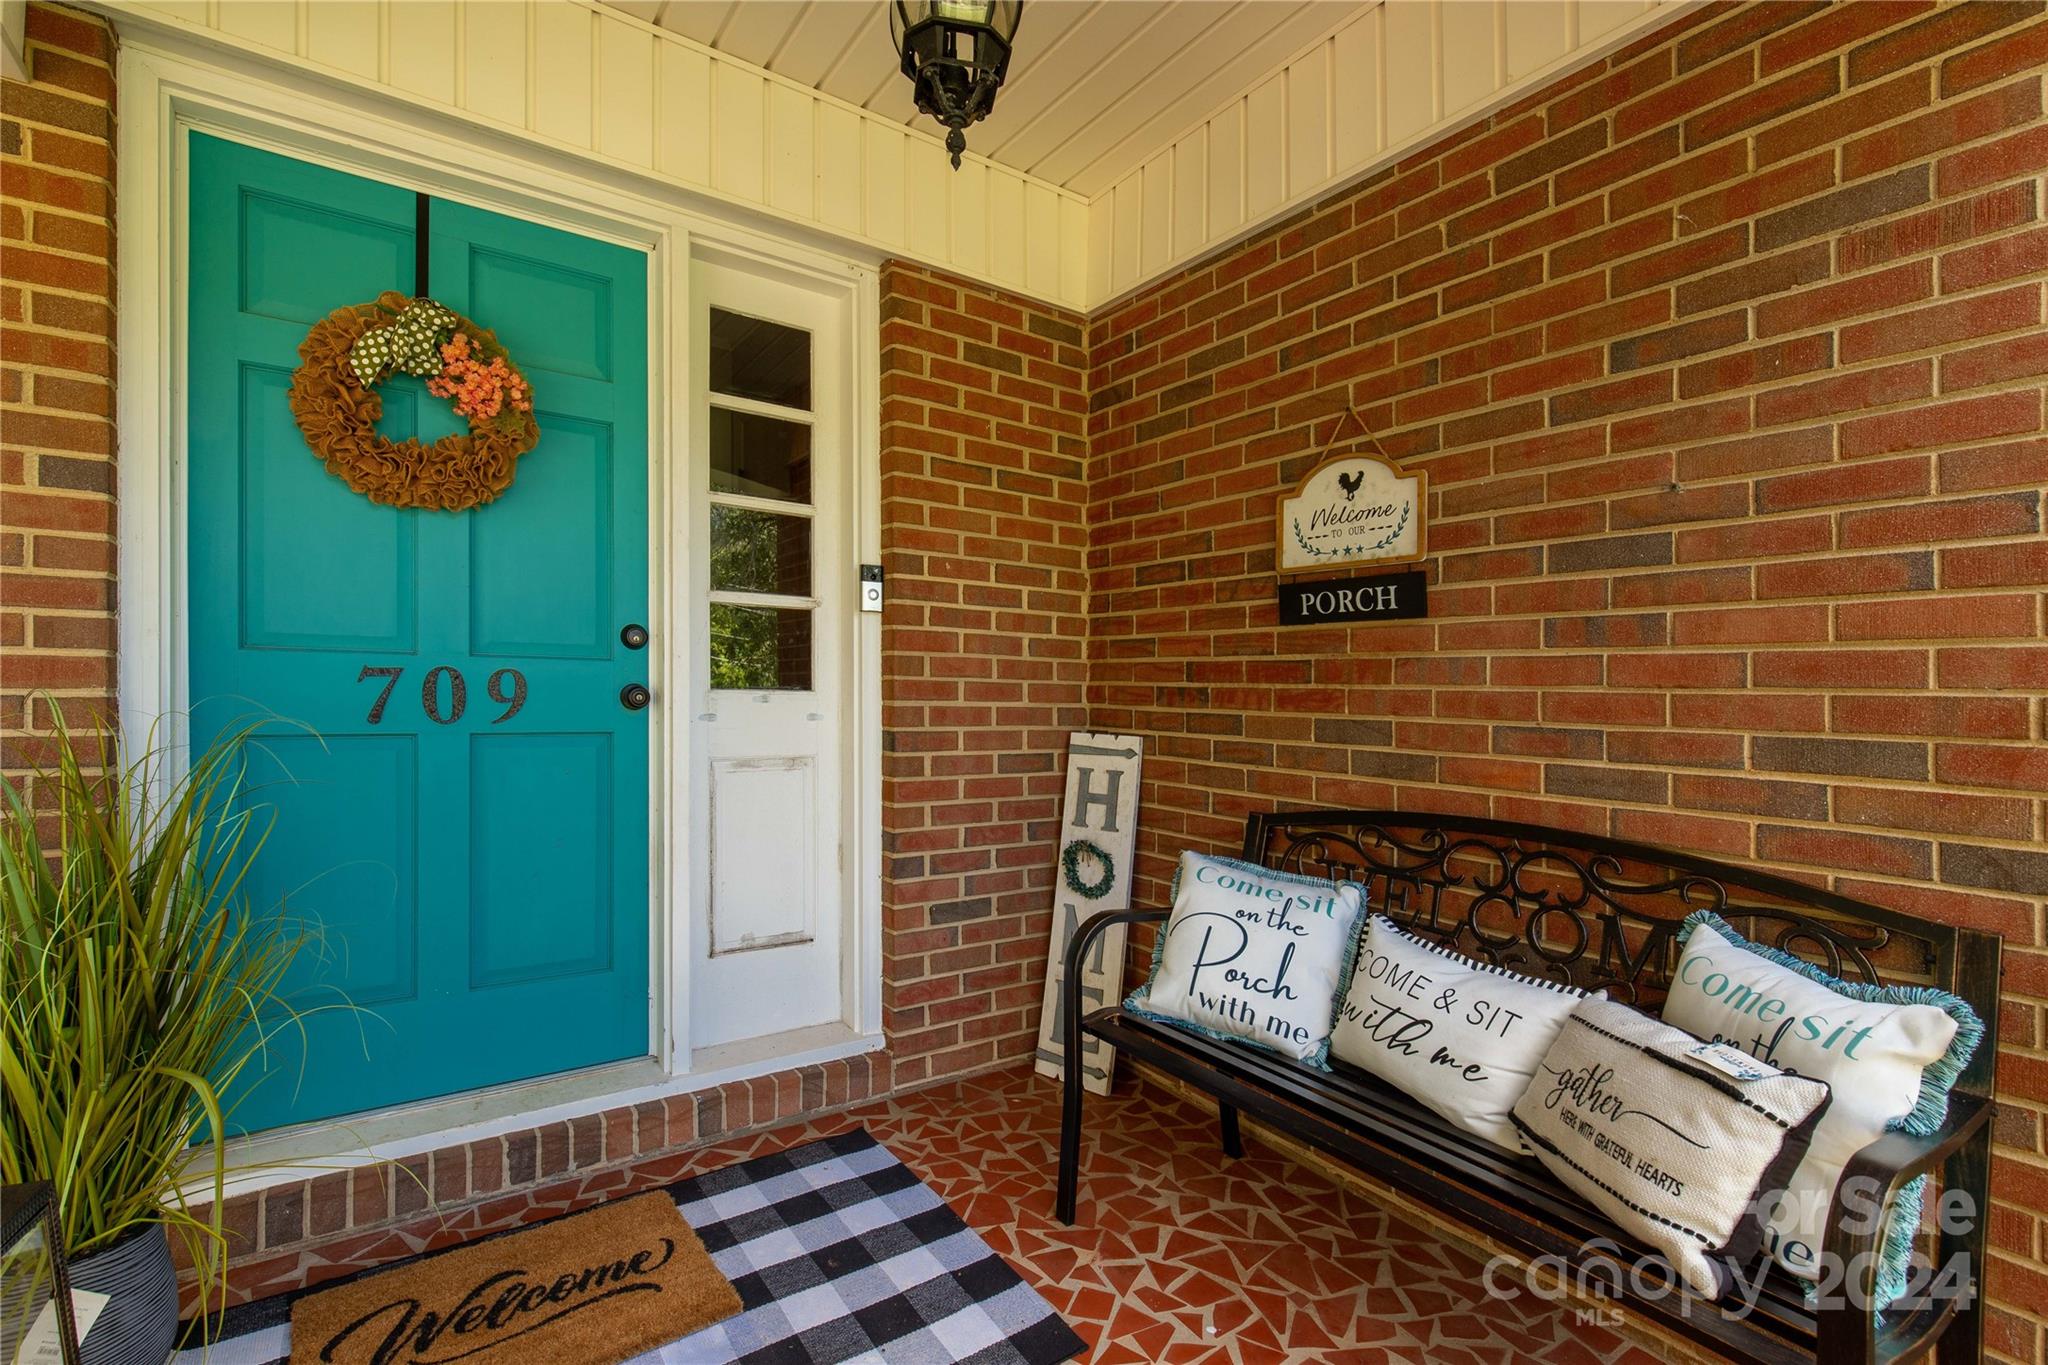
pixel 1350 483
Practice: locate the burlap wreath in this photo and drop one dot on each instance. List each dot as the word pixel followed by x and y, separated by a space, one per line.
pixel 338 415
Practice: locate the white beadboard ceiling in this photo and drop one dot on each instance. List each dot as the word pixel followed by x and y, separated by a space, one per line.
pixel 1095 86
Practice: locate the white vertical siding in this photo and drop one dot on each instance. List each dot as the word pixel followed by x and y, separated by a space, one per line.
pixel 1265 140
pixel 1355 136
pixel 740 141
pixel 419 52
pixel 682 134
pixel 1472 57
pixel 348 36
pixel 561 62
pixel 493 61
pixel 970 219
pixel 927 182
pixel 1410 64
pixel 1226 176
pixel 839 179
pixel 601 82
pixel 1308 122
pixel 625 93
pixel 1392 77
pixel 1190 192
pixel 792 152
pixel 268 23
pixel 1042 236
pixel 887 151
pixel 604 83
pixel 1006 228
pixel 1076 234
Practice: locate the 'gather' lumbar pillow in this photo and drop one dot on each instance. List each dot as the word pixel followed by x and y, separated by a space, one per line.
pixel 1460 1036
pixel 1674 1138
pixel 1253 954
pixel 1890 1053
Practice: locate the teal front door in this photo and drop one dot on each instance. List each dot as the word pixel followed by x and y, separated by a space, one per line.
pixel 460 794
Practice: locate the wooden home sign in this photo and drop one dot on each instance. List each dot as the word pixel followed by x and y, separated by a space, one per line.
pixel 1350 512
pixel 1098 834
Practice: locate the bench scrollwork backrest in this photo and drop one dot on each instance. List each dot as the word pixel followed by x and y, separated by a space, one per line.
pixel 1596 913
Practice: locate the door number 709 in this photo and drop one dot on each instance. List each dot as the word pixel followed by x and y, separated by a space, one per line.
pixel 458 692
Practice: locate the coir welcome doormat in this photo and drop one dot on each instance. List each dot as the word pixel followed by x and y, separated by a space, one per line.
pixel 595 1288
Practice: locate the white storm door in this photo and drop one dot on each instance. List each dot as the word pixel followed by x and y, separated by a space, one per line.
pixel 774 597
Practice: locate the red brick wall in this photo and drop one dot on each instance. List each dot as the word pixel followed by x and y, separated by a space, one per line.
pixel 56 377
pixel 984 452
pixel 1725 359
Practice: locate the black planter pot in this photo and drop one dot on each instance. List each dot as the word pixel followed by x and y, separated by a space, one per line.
pixel 140 1323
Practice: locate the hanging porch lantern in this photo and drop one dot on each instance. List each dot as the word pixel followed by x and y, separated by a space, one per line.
pixel 955 52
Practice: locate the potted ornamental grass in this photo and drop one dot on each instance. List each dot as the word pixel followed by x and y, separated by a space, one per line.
pixel 137 983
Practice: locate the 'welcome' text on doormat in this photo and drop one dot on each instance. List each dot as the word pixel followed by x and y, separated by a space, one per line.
pixel 594 1288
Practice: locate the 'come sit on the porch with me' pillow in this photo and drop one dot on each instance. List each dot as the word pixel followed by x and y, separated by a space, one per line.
pixel 1253 954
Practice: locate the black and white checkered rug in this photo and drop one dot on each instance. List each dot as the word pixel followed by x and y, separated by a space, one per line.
pixel 839 1254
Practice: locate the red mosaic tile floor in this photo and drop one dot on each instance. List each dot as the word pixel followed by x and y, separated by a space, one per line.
pixel 1180 1255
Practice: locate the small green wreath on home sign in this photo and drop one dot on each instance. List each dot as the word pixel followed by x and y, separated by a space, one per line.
pixel 334 399
pixel 1070 868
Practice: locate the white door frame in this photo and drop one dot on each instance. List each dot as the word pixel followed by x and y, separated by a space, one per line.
pixel 167 88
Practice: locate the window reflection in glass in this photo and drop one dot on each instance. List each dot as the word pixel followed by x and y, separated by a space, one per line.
pixel 761 457
pixel 759 552
pixel 755 358
pixel 760 648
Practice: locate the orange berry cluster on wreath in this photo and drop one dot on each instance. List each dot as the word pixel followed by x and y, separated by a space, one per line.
pixel 481 388
pixel 337 411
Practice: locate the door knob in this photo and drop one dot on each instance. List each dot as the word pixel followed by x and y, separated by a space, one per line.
pixel 635 696
pixel 634 636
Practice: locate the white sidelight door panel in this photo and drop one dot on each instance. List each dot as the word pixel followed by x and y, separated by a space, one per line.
pixel 773 597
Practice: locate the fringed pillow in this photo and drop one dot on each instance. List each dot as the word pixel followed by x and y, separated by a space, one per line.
pixel 1890 1053
pixel 1253 955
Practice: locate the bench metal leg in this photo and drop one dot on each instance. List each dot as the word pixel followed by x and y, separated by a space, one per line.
pixel 1070 1138
pixel 1233 1142
pixel 1968 1169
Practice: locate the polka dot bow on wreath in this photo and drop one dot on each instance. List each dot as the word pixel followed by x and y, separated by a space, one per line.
pixel 410 344
pixel 335 402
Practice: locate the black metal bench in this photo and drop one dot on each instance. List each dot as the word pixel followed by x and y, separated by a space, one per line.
pixel 1602 914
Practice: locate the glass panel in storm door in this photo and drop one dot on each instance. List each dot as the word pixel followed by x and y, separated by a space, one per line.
pixel 760 457
pixel 755 551
pixel 460 800
pixel 755 358
pixel 760 649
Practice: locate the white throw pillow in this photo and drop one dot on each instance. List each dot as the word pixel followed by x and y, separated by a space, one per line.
pixel 1672 1137
pixel 1462 1037
pixel 1253 954
pixel 1885 1058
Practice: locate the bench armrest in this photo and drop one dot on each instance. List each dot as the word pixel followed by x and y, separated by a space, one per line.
pixel 1096 925
pixel 1077 952
pixel 1847 1332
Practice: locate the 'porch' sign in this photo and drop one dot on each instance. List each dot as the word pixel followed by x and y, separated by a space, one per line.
pixel 1387 597
pixel 1098 827
pixel 1353 510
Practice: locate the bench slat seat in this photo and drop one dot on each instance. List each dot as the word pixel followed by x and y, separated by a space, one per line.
pixel 1514 1200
